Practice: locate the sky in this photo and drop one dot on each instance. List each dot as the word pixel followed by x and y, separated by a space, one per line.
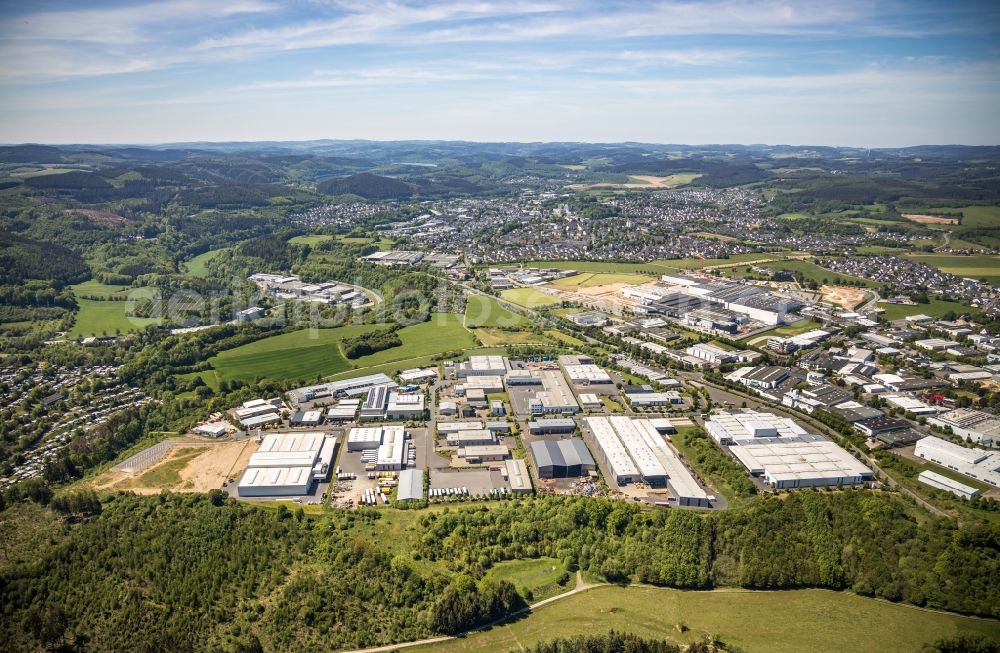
pixel 823 72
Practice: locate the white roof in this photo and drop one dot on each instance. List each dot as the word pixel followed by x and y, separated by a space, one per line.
pixel 614 451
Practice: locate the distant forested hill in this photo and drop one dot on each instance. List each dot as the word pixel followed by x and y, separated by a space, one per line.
pixel 367 185
pixel 22 259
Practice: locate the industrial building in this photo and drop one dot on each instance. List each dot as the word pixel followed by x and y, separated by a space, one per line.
pixel 256 412
pixel 483 453
pixel 307 418
pixel 979 426
pixel 402 406
pixel 483 366
pixel 471 438
pixel 585 373
pixel 444 428
pixel 375 403
pixel 523 377
pixel 344 411
pixel 588 318
pixel 411 485
pixel 562 458
pixel 487 384
pixel 980 464
pixel 554 397
pixel 590 401
pixel 417 375
pixel 941 482
pixel 551 426
pixel 286 464
pixel 634 450
pixel 516 473
pixel 784 453
pixel 652 399
pixel 391 453
pixel 710 353
pixel 352 387
pixel 610 451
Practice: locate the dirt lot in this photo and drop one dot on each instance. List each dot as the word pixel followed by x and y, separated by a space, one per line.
pixel 843 296
pixel 928 219
pixel 187 468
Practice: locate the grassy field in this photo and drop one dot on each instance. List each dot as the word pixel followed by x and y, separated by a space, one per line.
pixel 196 267
pixel 529 297
pixel 810 271
pixel 936 308
pixel 793 329
pixel 982 266
pixel 95 288
pixel 491 337
pixel 818 621
pixel 297 355
pixel 96 318
pixel 310 239
pixel 306 354
pixel 482 310
pixel 972 216
pixel 538 575
pixel 590 279
pixel 564 338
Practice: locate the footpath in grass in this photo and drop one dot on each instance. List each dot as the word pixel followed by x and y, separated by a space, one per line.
pixel 789 621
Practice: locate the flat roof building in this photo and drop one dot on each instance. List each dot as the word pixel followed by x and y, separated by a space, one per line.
pixel 275 481
pixel 375 403
pixel 517 476
pixel 590 401
pixel 980 464
pixel 610 451
pixel 471 438
pixel 544 426
pixel 492 365
pixel 402 406
pixel 483 453
pixel 784 453
pixel 364 438
pixel 555 396
pixel 942 482
pixel 979 426
pixel 587 375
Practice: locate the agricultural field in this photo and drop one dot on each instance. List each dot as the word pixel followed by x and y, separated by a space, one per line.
pixel 974 216
pixel 196 267
pixel 298 355
pixel 444 332
pixel 936 308
pixel 97 318
pixel 482 310
pixel 528 297
pixel 983 266
pixel 591 279
pixel 788 621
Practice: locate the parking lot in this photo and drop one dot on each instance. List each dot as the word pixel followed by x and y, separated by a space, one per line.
pixel 478 481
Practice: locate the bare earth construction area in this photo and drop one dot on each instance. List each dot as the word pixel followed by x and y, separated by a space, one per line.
pixel 194 467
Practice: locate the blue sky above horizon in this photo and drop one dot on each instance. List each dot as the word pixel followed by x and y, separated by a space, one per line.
pixel 876 74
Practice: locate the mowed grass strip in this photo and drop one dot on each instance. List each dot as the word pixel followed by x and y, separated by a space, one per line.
pixel 790 621
pixel 482 310
pixel 94 288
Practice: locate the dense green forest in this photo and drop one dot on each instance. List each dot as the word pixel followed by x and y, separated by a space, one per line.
pixel 370 343
pixel 202 572
pixel 367 185
pixel 22 259
pixel 615 642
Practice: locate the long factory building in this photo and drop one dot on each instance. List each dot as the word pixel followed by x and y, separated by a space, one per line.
pixel 286 464
pixel 632 450
pixel 784 453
